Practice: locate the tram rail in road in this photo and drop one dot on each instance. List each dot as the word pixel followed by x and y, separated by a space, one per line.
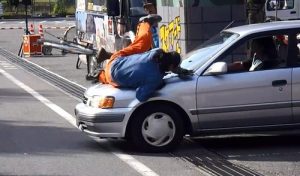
pixel 62 83
pixel 207 161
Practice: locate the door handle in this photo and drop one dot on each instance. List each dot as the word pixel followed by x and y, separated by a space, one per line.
pixel 293 12
pixel 279 83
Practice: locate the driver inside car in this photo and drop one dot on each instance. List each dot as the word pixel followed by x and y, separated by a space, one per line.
pixel 263 56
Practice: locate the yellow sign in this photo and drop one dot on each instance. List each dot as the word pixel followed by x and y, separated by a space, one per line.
pixel 170 35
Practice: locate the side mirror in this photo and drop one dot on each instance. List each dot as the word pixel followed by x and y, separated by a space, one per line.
pixel 113 7
pixel 216 69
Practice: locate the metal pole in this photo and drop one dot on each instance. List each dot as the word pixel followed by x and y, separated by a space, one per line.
pixel 49 7
pixel 26 21
pixel 34 8
pixel 276 8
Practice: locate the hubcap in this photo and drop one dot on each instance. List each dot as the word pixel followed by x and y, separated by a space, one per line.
pixel 158 129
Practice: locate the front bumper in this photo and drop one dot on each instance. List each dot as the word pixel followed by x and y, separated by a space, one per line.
pixel 104 123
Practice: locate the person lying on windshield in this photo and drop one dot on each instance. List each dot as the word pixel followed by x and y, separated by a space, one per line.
pixel 143 72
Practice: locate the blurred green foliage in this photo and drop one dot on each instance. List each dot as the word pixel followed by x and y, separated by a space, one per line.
pixel 39 8
pixel 60 8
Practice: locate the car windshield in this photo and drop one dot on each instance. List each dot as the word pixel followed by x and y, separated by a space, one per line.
pixel 199 56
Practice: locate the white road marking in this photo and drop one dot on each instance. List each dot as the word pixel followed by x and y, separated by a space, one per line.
pixel 7 65
pixel 42 99
pixel 128 159
pixel 138 166
pixel 4 63
pixel 43 21
pixel 10 68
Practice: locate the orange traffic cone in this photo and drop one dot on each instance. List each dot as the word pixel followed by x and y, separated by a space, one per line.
pixel 31 29
pixel 41 31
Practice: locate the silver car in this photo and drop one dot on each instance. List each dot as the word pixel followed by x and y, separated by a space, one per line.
pixel 233 88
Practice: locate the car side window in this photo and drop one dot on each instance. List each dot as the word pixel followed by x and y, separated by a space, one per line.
pixel 262 53
pixel 238 54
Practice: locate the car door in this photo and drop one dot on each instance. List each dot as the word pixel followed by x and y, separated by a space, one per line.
pixel 296 94
pixel 296 78
pixel 245 99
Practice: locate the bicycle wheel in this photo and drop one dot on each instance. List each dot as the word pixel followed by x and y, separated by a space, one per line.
pixel 70 35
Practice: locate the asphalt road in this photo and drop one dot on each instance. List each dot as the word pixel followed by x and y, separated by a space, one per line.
pixel 38 133
pixel 36 140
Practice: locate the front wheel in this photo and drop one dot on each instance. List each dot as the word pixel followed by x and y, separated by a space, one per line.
pixel 156 129
pixel 47 50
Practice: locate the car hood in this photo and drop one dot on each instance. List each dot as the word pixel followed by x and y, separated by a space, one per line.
pixel 127 97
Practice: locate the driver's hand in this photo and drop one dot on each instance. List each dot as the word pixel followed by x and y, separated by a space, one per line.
pixel 183 72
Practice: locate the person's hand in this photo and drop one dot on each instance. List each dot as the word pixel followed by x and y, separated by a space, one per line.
pixel 183 72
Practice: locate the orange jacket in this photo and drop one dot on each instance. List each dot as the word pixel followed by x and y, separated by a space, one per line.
pixel 142 43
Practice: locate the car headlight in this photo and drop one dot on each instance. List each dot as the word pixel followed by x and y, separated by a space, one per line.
pixel 102 102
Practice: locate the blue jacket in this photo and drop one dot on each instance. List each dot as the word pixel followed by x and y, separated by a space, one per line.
pixel 138 71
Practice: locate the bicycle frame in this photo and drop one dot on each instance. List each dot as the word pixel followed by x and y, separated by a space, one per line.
pixel 71 47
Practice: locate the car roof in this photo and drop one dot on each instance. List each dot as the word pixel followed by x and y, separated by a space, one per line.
pixel 262 27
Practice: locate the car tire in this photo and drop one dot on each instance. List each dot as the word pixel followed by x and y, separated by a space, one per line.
pixel 47 50
pixel 156 129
